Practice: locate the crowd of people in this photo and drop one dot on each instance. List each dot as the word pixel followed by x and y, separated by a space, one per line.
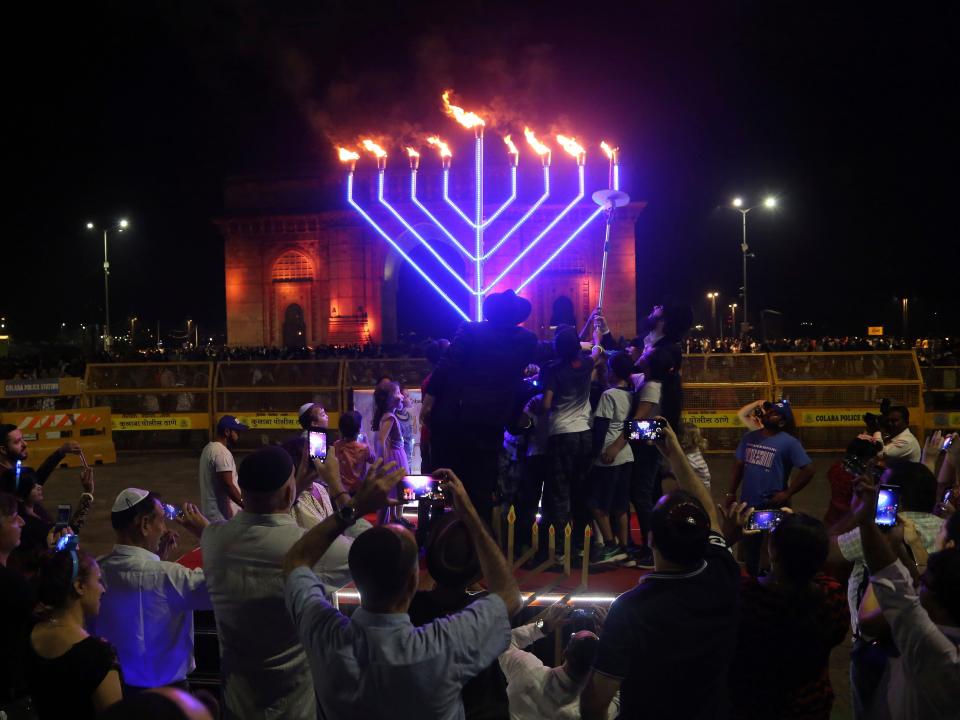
pixel 736 616
pixel 930 351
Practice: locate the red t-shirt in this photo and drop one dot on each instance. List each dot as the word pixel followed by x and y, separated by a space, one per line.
pixel 841 493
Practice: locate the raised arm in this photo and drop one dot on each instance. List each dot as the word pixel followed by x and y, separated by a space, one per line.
pixel 372 496
pixel 496 571
pixel 687 479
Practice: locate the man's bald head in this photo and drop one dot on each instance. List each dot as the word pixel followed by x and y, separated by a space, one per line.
pixel 383 562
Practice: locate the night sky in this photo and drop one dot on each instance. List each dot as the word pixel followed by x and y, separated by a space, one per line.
pixel 143 109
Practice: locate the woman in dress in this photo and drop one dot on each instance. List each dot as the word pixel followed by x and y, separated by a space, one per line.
pixel 389 443
pixel 71 674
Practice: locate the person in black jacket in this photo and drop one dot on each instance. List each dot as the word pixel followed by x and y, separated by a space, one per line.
pixel 476 390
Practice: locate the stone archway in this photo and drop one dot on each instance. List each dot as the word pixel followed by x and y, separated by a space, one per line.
pixel 396 271
pixel 292 278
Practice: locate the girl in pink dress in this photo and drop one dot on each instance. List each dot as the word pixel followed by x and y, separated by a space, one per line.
pixel 389 444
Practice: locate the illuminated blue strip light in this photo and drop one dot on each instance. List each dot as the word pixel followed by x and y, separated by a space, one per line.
pixel 478 224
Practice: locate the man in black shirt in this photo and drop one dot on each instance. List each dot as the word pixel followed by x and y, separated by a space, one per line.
pixel 667 644
pixel 13 447
pixel 477 389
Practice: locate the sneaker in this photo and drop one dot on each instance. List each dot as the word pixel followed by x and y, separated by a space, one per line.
pixel 642 558
pixel 607 554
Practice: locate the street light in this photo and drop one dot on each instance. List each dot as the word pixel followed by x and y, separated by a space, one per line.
pixel 712 297
pixel 733 316
pixel 121 225
pixel 737 203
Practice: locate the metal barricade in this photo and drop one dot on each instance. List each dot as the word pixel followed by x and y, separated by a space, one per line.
pixel 941 397
pixel 830 391
pixel 715 386
pixel 47 430
pixel 266 395
pixel 154 406
pixel 44 394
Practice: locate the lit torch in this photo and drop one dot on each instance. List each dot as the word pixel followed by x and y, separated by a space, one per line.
pixel 613 155
pixel 467 119
pixel 573 147
pixel 538 147
pixel 414 157
pixel 378 151
pixel 444 149
pixel 349 157
pixel 512 151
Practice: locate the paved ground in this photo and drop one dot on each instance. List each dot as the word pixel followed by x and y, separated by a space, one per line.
pixel 174 476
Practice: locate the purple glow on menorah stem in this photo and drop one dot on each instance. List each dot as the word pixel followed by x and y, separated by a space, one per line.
pixel 478 223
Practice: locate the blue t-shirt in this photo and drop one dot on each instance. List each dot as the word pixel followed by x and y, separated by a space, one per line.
pixel 767 462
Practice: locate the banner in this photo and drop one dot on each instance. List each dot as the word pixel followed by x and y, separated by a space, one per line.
pixel 180 421
pixel 875 330
pixel 940 420
pixel 21 388
pixel 713 419
pixel 841 417
pixel 273 421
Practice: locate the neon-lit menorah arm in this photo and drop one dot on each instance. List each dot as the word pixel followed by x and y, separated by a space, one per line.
pixel 440 226
pixel 543 233
pixel 615 175
pixel 526 215
pixel 373 223
pixel 509 201
pixel 418 236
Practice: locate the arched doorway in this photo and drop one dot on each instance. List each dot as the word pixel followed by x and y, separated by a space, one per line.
pixel 294 326
pixel 420 310
pixel 292 277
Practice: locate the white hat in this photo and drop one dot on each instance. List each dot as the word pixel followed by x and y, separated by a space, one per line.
pixel 304 408
pixel 128 498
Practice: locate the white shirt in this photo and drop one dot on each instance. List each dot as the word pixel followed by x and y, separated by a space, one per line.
pixel 215 504
pixel 903 446
pixel 147 614
pixel 262 663
pixel 924 682
pixel 536 691
pixel 615 405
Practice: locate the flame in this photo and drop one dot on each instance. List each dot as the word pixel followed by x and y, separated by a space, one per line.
pixel 538 146
pixel 571 145
pixel 467 119
pixel 374 148
pixel 347 155
pixel 510 146
pixel 412 153
pixel 440 145
pixel 607 149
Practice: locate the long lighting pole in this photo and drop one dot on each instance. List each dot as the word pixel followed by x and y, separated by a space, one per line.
pixel 120 227
pixel 737 204
pixel 712 297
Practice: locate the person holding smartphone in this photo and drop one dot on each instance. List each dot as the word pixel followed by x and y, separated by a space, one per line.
pixel 923 681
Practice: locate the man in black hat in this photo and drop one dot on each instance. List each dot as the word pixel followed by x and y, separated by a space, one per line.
pixel 475 391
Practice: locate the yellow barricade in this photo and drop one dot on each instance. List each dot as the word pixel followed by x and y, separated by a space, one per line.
pixel 715 386
pixel 831 391
pixel 942 397
pixel 149 400
pixel 47 430
pixel 267 394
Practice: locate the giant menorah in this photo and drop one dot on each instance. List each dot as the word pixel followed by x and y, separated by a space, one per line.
pixel 480 227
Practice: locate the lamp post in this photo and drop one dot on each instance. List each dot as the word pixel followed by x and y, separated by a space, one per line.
pixel 733 317
pixel 737 204
pixel 119 227
pixel 712 297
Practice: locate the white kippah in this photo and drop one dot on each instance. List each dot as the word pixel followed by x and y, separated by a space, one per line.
pixel 128 498
pixel 304 408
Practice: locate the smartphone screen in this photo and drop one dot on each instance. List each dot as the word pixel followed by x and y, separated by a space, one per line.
pixel 947 443
pixel 643 430
pixel 318 444
pixel 415 487
pixel 764 519
pixel 63 516
pixel 888 502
